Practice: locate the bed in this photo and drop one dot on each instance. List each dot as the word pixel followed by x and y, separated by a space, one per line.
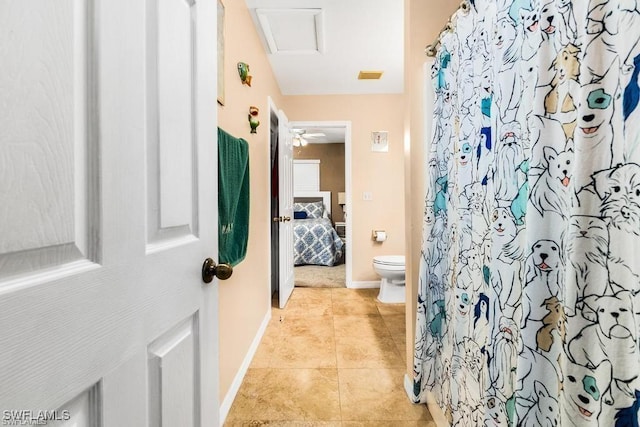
pixel 316 241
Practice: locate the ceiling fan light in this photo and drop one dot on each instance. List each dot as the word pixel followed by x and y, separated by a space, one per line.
pixel 298 141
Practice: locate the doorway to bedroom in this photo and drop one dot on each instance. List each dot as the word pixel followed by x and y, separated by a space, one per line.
pixel 321 222
pixel 319 206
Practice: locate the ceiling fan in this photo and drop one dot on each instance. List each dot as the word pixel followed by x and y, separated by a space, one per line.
pixel 300 137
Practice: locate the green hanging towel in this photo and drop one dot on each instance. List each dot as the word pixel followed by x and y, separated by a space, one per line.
pixel 233 198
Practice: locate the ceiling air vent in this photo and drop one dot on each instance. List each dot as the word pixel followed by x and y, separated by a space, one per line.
pixel 370 75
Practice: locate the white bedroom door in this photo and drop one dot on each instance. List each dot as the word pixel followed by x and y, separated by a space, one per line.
pixel 285 174
pixel 108 171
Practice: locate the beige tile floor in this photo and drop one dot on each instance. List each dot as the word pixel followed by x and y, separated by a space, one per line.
pixel 332 357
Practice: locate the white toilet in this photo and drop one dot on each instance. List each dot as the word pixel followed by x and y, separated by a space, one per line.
pixel 391 269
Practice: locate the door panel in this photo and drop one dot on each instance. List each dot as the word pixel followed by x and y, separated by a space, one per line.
pixel 175 96
pixel 172 376
pixel 46 212
pixel 82 411
pixel 171 125
pixel 87 302
pixel 285 169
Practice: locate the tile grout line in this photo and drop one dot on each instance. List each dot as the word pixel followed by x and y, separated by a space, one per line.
pixel 335 355
pixel 359 318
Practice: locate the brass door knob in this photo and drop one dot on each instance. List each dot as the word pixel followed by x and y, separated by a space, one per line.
pixel 286 218
pixel 277 219
pixel 211 269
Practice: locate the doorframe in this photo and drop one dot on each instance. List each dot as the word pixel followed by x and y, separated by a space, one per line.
pixel 346 124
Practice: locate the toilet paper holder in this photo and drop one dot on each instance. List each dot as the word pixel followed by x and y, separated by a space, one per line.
pixel 378 235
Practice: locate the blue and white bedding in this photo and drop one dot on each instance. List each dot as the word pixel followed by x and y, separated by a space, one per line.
pixel 316 242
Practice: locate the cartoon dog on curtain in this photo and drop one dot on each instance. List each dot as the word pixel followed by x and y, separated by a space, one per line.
pixel 538 287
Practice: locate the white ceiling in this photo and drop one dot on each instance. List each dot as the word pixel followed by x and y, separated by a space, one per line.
pixel 318 47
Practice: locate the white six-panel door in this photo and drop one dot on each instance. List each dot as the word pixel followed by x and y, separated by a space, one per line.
pixel 285 174
pixel 108 171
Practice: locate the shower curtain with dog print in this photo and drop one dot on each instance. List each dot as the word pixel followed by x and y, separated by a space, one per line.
pixel 529 308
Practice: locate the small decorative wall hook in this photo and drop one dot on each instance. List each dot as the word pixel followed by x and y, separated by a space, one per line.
pixel 253 118
pixel 243 71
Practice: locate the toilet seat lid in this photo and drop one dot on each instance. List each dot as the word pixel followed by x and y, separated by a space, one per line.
pixel 397 260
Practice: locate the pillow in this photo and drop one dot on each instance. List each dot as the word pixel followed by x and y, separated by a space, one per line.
pixel 313 209
pixel 299 214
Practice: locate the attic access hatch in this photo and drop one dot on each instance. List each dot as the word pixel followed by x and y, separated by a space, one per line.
pixel 292 30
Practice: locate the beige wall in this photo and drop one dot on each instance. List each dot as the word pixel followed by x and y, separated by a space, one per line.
pixel 378 173
pixel 244 298
pixel 331 158
pixel 423 22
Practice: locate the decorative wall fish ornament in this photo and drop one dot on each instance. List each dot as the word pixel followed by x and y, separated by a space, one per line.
pixel 253 118
pixel 243 71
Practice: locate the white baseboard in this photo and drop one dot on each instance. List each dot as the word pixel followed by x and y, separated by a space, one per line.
pixel 225 406
pixel 364 285
pixel 434 409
